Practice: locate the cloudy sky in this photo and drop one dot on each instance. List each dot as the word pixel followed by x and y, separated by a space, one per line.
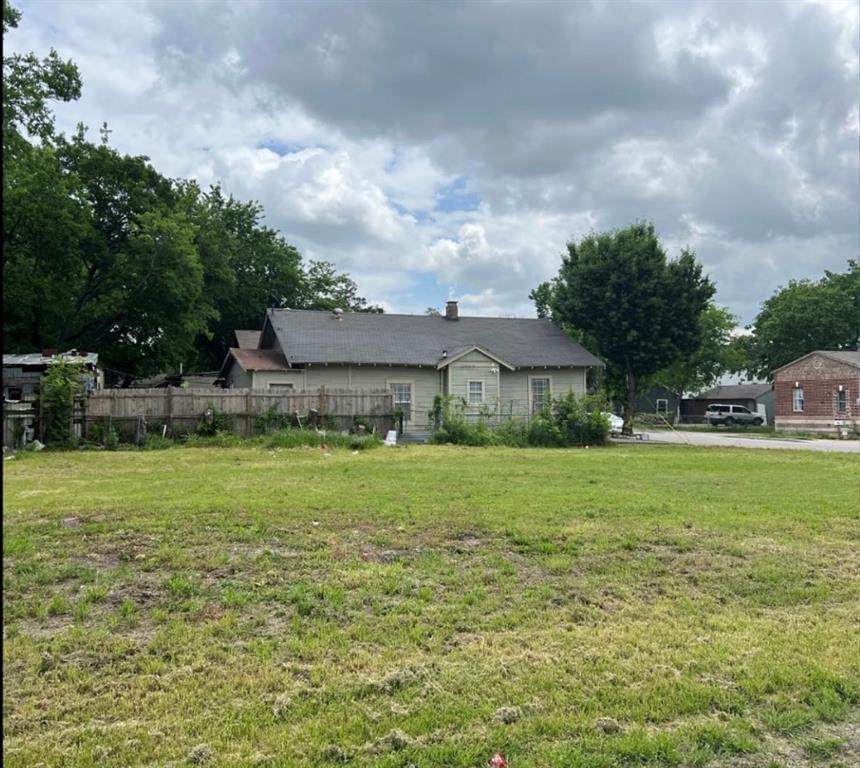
pixel 438 150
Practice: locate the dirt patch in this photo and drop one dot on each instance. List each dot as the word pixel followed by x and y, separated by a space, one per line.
pixel 372 554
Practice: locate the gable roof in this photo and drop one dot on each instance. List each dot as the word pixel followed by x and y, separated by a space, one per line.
pixel 452 358
pixel 255 360
pixel 247 339
pixel 846 356
pixel 309 337
pixel 751 391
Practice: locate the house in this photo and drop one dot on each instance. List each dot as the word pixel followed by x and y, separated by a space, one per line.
pixel 658 400
pixel 818 392
pixel 500 367
pixel 23 373
pixel 756 396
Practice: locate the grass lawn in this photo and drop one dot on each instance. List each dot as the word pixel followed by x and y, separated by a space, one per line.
pixel 428 606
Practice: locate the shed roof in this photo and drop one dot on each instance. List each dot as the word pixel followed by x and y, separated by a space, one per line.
pixel 37 358
pixel 247 339
pixel 751 391
pixel 308 337
pixel 846 356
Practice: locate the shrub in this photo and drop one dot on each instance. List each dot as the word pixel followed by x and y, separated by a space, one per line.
pixel 215 423
pixel 60 385
pixel 310 438
pixel 99 434
pixel 565 421
pixel 273 420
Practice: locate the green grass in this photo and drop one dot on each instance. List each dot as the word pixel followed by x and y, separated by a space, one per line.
pixel 428 606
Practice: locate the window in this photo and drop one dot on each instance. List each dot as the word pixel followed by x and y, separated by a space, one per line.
pixel 841 401
pixel 740 409
pixel 284 386
pixel 662 405
pixel 797 398
pixel 14 394
pixel 402 392
pixel 476 392
pixel 540 393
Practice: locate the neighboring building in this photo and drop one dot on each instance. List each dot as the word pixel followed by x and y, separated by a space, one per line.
pixel 23 373
pixel 756 396
pixel 163 380
pixel 247 339
pixel 818 392
pixel 499 366
pixel 658 400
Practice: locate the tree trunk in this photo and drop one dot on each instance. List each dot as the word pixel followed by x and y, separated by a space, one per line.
pixel 630 407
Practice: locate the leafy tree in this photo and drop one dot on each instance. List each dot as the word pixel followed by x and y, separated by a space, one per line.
pixel 717 353
pixel 617 292
pixel 29 85
pixel 327 289
pixel 62 382
pixel 247 268
pixel 432 312
pixel 804 316
pixel 104 253
pixel 112 267
pixel 542 297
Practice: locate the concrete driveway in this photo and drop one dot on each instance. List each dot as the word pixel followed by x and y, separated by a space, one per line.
pixel 733 440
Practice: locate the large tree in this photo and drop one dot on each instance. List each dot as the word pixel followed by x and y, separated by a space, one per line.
pixel 30 83
pixel 717 353
pixel 804 316
pixel 619 293
pixel 107 263
pixel 104 253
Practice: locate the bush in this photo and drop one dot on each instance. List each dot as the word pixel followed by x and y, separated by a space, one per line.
pixel 565 421
pixel 60 385
pixel 310 438
pixel 449 413
pixel 215 423
pixel 108 437
pixel 272 421
pixel 155 442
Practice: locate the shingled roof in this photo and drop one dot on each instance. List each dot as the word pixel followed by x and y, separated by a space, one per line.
pixel 247 339
pixel 309 337
pixel 750 391
pixel 257 359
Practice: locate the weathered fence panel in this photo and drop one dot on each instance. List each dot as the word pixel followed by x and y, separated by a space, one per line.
pixel 182 410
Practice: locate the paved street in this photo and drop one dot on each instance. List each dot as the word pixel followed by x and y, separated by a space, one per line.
pixel 728 439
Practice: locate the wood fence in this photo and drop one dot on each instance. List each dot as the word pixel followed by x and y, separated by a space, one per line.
pixel 175 411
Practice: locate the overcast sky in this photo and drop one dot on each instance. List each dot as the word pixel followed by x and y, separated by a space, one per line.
pixel 438 150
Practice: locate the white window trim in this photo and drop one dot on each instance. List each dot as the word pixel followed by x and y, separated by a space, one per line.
pixel 411 382
pixel 657 404
pixel 843 395
pixel 469 383
pixel 794 407
pixel 546 377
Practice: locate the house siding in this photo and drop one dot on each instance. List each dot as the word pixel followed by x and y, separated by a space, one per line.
pixel 509 388
pixel 475 366
pixel 820 376
pixel 514 389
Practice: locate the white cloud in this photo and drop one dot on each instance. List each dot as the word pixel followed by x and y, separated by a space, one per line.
pixel 734 128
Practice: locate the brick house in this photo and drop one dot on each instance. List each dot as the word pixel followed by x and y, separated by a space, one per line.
pixel 818 392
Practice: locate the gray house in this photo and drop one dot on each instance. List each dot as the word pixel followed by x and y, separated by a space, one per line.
pixel 498 366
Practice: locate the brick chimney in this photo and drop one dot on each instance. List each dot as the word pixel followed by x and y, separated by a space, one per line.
pixel 451 311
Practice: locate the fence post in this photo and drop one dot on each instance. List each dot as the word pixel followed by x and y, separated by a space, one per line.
pixel 248 421
pixel 170 410
pixel 322 400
